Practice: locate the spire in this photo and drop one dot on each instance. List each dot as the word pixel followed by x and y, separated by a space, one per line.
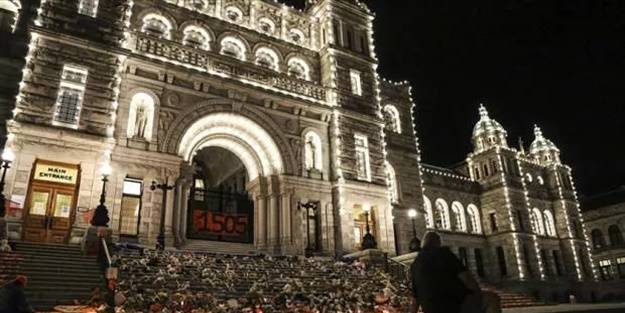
pixel 483 112
pixel 521 145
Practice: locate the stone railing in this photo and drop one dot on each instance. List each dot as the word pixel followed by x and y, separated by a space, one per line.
pixel 211 62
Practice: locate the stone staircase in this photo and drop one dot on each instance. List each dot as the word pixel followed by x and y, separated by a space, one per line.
pixel 57 274
pixel 9 266
pixel 512 299
pixel 218 247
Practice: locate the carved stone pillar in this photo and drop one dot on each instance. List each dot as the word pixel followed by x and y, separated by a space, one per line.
pixel 286 229
pixel 272 222
pixel 260 222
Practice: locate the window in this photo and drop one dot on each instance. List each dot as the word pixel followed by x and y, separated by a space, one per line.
pixel 460 222
pixel 233 47
pixel 197 4
pixel 598 241
pixel 605 268
pixel 266 25
pixel 474 219
pixel 476 172
pixel 441 217
pixel 391 179
pixel 140 117
pixel 540 180
pixel 556 262
pixel 70 96
pixel 620 266
pixel 88 7
pixel 196 37
pixel 493 222
pixel 267 57
pixel 547 265
pixel 462 255
pixel 312 151
pixel 616 238
pixel 233 14
pixel 528 178
pixel 363 169
pixel 296 36
pixel 298 68
pixel 494 166
pixel 9 12
pixel 391 119
pixel 131 207
pixel 485 167
pixel 501 258
pixel 582 261
pixel 356 82
pixel 536 220
pixel 479 263
pixel 157 26
pixel 520 220
pixel 549 223
pixel 429 216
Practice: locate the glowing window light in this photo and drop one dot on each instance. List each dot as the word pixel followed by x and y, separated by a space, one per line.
pixel 268 58
pixel 156 25
pixel 196 37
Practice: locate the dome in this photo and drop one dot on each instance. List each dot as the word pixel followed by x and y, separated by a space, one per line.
pixel 541 143
pixel 486 125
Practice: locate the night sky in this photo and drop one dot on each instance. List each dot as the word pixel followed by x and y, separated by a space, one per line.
pixel 560 64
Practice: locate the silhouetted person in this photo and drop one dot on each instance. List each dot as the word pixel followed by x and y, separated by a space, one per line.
pixel 442 284
pixel 12 298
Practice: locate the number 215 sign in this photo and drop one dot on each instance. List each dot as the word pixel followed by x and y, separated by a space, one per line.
pixel 220 223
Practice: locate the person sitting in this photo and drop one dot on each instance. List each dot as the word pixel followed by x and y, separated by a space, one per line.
pixel 442 284
pixel 12 298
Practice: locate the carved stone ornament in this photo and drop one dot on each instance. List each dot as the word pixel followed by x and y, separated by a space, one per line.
pixel 172 99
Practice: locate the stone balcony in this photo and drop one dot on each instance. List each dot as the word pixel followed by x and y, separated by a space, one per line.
pixel 217 64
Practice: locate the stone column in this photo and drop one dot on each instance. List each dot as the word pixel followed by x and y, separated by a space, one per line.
pixel 272 223
pixel 260 222
pixel 286 232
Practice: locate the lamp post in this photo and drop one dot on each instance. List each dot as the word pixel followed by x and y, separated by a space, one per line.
pixel 7 159
pixel 415 243
pixel 101 214
pixel 309 206
pixel 164 187
pixel 368 241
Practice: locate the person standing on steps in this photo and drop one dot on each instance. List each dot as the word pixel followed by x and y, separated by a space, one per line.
pixel 442 284
pixel 12 298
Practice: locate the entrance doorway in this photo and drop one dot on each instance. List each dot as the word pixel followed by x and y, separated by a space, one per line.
pixel 51 201
pixel 220 208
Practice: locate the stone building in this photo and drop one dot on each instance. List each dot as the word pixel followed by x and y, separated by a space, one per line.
pixel 274 131
pixel 604 217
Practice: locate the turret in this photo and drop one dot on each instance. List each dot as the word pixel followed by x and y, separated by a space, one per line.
pixel 544 150
pixel 488 133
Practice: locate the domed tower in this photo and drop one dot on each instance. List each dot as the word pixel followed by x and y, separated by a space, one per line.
pixel 488 133
pixel 544 150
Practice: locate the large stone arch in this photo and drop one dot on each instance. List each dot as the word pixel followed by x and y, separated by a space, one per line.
pixel 191 114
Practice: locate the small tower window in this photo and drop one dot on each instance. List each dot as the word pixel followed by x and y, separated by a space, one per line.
pixel 197 4
pixel 156 25
pixel 356 82
pixel 296 35
pixel 267 57
pixel 234 14
pixel 391 119
pixel 196 37
pixel 266 26
pixel 70 96
pixel 233 47
pixel 363 167
pixel 88 7
pixel 299 69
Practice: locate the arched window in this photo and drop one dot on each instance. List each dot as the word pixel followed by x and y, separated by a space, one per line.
pixel 197 4
pixel 528 178
pixel 266 25
pixel 598 241
pixel 313 155
pixel 474 219
pixel 550 226
pixel 196 37
pixel 157 26
pixel 233 47
pixel 616 237
pixel 460 222
pixel 536 219
pixel 140 117
pixel 299 69
pixel 9 11
pixel 296 35
pixel 540 180
pixel 392 182
pixel 233 14
pixel 429 216
pixel 267 57
pixel 391 119
pixel 441 215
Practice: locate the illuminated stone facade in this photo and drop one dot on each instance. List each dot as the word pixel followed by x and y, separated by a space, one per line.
pixel 295 96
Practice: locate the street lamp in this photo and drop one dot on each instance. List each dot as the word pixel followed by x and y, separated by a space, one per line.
pixel 7 159
pixel 101 214
pixel 164 187
pixel 368 241
pixel 309 205
pixel 415 243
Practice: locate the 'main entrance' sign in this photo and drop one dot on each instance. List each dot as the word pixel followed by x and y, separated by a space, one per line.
pixel 56 173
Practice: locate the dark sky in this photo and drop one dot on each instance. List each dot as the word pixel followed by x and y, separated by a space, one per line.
pixel 557 63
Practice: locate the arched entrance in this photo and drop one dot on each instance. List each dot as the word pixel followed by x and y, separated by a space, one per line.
pixel 229 189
